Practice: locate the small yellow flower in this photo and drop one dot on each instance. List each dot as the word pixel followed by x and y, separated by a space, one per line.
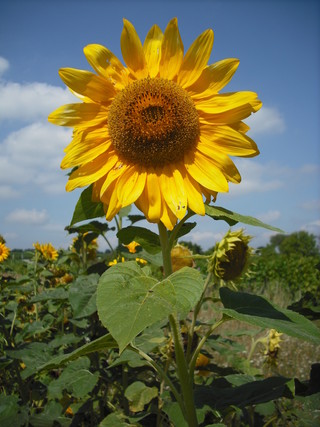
pixel 230 256
pixel 4 252
pixel 132 247
pixel 115 261
pixel 273 342
pixel 181 257
pixel 202 361
pixel 141 261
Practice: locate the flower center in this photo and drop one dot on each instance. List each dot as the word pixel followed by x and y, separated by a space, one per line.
pixel 153 122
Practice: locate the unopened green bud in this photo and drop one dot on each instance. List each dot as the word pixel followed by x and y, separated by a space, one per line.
pixel 230 256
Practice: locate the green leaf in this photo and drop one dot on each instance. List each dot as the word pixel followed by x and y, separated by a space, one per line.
pixel 146 238
pixel 82 295
pixel 95 227
pixel 56 294
pixel 114 420
pixel 86 208
pixel 220 395
pixel 136 218
pixel 139 395
pixel 128 300
pixel 185 229
pixel 258 311
pixel 173 410
pixel 188 285
pixel 101 344
pixel 11 414
pixel 232 218
pixel 75 378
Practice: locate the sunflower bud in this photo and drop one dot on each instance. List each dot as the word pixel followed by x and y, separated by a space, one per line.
pixel 181 257
pixel 230 256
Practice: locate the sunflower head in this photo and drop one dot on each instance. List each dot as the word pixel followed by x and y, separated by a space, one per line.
pixel 230 256
pixel 46 250
pixel 4 252
pixel 156 131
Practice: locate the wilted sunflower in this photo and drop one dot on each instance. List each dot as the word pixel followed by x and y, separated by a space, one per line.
pixel 4 252
pixel 156 133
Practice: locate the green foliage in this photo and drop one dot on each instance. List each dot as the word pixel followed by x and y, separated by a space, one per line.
pixel 291 261
pixel 82 348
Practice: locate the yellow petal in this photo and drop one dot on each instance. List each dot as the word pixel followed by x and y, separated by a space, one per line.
pixel 225 102
pixel 117 170
pixel 221 160
pixel 153 197
pixel 168 218
pixel 85 152
pixel 113 204
pixel 105 63
pixel 130 185
pixel 88 84
pixel 80 114
pixel 132 50
pixel 91 172
pixel 228 108
pixel 240 127
pixel 173 191
pixel 171 51
pixel 205 172
pixel 194 193
pixel 214 78
pixel 152 50
pixel 196 59
pixel 229 141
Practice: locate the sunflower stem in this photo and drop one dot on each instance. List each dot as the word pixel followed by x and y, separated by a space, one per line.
pixel 186 380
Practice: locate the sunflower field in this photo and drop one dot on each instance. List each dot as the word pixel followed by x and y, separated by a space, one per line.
pixel 81 344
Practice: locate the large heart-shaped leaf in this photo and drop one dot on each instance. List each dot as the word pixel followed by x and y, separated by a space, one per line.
pixel 128 300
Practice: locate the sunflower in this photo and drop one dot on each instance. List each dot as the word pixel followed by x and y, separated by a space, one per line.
pixel 47 251
pixel 156 133
pixel 4 252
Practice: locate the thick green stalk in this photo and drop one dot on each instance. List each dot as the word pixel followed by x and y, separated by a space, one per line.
pixel 186 380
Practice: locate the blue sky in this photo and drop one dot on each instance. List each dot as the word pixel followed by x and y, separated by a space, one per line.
pixel 278 44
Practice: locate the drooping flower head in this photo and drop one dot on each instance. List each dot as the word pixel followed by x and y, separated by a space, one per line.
pixel 4 252
pixel 230 256
pixel 155 132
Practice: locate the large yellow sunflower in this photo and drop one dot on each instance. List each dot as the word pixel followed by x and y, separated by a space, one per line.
pixel 156 133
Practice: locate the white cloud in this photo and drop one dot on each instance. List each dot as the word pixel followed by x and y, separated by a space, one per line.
pixel 24 216
pixel 268 120
pixel 312 227
pixel 269 216
pixel 7 192
pixel 258 178
pixel 32 155
pixel 31 101
pixel 4 65
pixel 205 236
pixel 311 205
